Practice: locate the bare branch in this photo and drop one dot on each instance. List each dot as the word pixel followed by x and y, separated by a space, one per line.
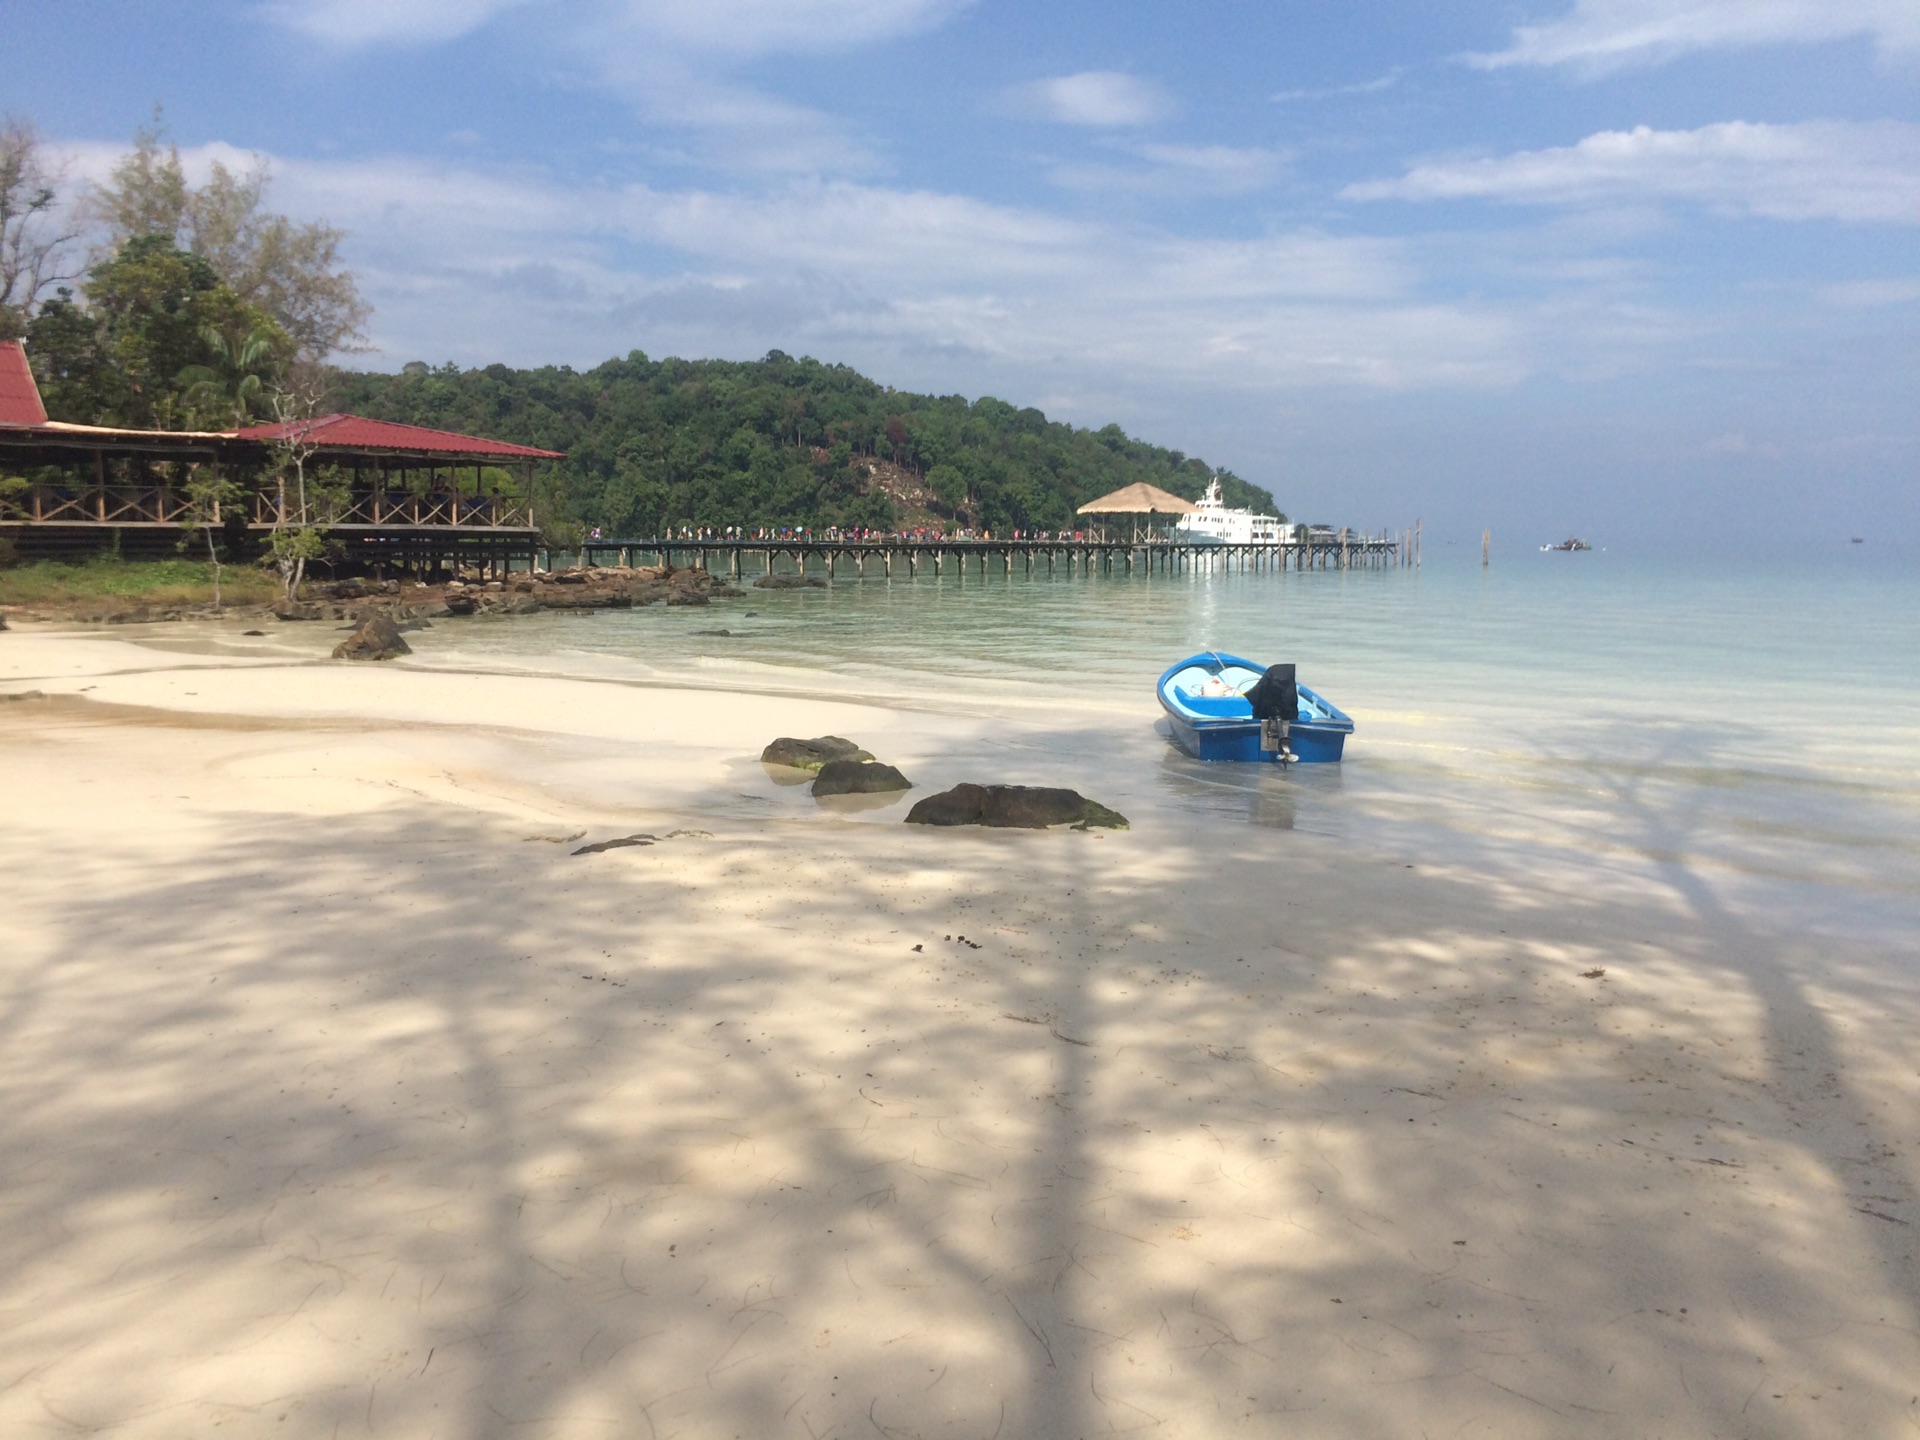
pixel 37 235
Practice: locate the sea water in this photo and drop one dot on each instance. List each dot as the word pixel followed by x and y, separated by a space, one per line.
pixel 1753 727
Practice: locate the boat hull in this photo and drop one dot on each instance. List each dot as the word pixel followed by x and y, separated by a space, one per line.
pixel 1317 738
pixel 1241 741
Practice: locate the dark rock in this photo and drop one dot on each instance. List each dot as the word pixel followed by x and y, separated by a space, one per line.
pixel 962 805
pixel 297 610
pixel 462 604
pixel 3 623
pixel 378 639
pixel 12 696
pixel 678 596
pixel 620 844
pixel 811 754
pixel 1022 807
pixel 566 577
pixel 858 777
pixel 253 632
pixel 790 582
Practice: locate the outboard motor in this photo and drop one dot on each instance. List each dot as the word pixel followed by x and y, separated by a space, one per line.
pixel 1275 698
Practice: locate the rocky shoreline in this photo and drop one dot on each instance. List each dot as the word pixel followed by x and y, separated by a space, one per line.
pixel 608 587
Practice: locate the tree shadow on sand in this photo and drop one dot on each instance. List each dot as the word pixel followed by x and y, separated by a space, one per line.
pixel 407 1124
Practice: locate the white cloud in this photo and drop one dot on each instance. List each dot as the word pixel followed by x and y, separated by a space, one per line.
pixel 1101 98
pixel 1602 35
pixel 745 27
pixel 366 22
pixel 1873 294
pixel 1179 170
pixel 761 27
pixel 1328 92
pixel 1823 169
pixel 1737 444
pixel 670 59
pixel 922 287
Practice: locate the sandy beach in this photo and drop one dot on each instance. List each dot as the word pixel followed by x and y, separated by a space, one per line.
pixel 339 1097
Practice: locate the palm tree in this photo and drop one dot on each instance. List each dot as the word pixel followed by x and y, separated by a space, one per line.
pixel 230 390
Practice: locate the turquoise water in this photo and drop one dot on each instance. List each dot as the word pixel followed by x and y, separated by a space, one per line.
pixel 1757 726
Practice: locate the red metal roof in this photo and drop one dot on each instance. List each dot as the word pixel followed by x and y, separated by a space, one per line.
pixel 356 432
pixel 19 396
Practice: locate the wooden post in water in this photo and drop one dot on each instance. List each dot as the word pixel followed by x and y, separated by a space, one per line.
pixel 1486 546
pixel 1416 544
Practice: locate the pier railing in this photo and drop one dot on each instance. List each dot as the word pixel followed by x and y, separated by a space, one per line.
pixel 891 555
pixel 163 505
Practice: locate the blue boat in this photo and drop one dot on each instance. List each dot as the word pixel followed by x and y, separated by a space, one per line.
pixel 1206 698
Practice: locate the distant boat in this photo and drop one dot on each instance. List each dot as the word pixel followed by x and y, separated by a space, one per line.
pixel 1210 698
pixel 1214 523
pixel 1572 542
pixel 1858 540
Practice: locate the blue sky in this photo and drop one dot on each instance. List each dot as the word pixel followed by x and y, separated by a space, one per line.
pixel 1634 268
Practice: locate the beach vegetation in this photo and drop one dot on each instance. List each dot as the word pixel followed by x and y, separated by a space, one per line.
pixel 174 581
pixel 308 494
pixel 210 497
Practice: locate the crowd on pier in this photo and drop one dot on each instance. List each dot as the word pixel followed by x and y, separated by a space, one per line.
pixel 855 535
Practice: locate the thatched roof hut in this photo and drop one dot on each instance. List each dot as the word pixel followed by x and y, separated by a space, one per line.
pixel 1151 507
pixel 1140 499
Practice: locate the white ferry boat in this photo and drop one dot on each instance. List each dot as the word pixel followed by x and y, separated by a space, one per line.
pixel 1213 523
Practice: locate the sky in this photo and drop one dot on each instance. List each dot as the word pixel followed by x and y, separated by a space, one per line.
pixel 1646 271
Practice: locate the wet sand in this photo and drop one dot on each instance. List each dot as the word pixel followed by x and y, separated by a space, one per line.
pixel 339 1097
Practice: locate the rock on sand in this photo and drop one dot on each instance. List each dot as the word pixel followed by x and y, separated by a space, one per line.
pixel 858 777
pixel 811 754
pixel 1022 807
pixel 377 639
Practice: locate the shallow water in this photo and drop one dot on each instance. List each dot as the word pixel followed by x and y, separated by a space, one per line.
pixel 1753 729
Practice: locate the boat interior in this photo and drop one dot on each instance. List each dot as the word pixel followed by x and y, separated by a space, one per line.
pixel 1219 692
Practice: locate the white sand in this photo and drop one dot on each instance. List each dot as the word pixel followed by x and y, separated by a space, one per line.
pixel 338 1098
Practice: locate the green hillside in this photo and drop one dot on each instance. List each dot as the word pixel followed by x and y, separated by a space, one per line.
pixel 780 441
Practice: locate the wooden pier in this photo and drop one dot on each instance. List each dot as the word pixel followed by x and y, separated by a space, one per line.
pixel 1341 550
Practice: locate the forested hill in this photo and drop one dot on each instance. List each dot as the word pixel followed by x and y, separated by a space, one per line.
pixel 783 442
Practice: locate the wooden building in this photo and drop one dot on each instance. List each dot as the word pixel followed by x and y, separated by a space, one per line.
pixel 394 497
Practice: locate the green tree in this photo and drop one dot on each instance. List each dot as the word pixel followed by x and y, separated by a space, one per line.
pixel 117 359
pixel 308 496
pixel 291 271
pixel 208 494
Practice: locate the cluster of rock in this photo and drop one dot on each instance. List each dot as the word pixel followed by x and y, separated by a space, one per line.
pixel 842 768
pixel 612 587
pixel 771 581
